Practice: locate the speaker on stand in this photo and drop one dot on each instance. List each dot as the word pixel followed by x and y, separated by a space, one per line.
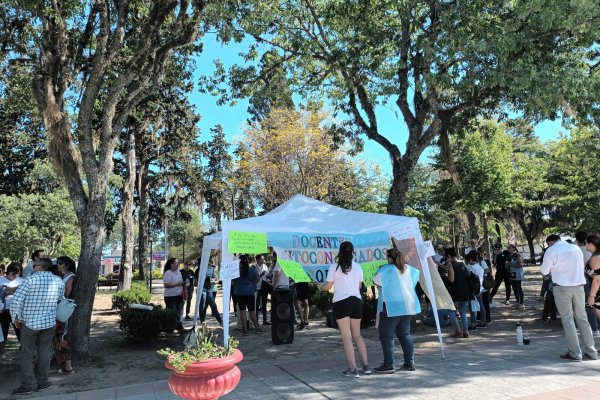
pixel 282 316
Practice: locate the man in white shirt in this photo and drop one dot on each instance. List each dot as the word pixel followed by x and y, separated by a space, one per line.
pixel 565 262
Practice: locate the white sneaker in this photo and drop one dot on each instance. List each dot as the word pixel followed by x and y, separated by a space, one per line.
pixel 597 334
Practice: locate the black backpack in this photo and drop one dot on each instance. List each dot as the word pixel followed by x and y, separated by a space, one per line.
pixel 474 284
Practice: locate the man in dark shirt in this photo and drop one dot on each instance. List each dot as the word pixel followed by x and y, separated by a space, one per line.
pixel 501 274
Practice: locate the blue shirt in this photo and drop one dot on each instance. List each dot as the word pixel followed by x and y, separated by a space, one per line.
pixel 397 290
pixel 246 287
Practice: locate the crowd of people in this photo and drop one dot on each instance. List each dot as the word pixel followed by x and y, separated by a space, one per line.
pixel 28 302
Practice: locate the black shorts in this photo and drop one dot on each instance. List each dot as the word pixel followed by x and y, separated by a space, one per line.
pixel 350 307
pixel 245 301
pixel 302 291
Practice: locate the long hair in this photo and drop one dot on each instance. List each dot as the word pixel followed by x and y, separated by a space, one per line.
pixel 344 257
pixel 595 241
pixel 244 266
pixel 168 264
pixel 68 262
pixel 399 259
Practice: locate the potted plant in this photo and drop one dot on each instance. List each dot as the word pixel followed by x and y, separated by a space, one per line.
pixel 204 369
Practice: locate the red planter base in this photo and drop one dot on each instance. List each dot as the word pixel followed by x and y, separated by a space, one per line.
pixel 206 380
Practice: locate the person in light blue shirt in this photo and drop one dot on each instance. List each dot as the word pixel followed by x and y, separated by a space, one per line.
pixel 397 303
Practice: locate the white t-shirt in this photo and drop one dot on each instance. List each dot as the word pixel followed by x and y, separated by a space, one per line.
pixel 173 277
pixel 4 281
pixel 282 280
pixel 345 285
pixel 477 270
pixel 262 269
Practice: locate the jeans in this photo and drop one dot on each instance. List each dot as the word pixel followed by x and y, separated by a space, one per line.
pixel 262 296
pixel 208 299
pixel 518 289
pixel 188 303
pixel 30 339
pixel 461 307
pixel 485 295
pixel 570 302
pixel 501 275
pixel 481 311
pixel 175 303
pixel 6 322
pixel 388 326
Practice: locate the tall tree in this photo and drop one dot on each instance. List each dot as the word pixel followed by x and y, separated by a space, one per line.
pixel 95 61
pixel 434 60
pixel 219 196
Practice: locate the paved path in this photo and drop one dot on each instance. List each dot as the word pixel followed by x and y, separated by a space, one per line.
pixel 487 366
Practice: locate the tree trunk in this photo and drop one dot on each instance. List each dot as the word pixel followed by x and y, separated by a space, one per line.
pixel 473 231
pixel 126 271
pixel 399 189
pixel 143 192
pixel 487 243
pixel 92 240
pixel 531 249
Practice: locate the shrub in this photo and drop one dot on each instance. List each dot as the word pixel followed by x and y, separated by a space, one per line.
pixel 323 301
pixel 137 294
pixel 145 326
pixel 157 273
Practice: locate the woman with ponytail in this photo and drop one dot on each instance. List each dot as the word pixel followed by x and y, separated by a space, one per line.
pixel 346 277
pixel 397 304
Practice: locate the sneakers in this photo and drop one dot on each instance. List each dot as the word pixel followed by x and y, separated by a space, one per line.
pixel 482 326
pixel 457 334
pixel 589 357
pixel 569 357
pixel 365 370
pixel 408 367
pixel 266 323
pixel 384 369
pixel 506 302
pixel 187 318
pixel 466 335
pixel 43 386
pixel 22 390
pixel 351 373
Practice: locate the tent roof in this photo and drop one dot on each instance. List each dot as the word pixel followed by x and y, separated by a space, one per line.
pixel 307 215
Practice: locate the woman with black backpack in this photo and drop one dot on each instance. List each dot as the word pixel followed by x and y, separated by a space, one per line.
pixel 460 290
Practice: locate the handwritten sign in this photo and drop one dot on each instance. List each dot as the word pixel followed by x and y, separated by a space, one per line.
pixel 370 269
pixel 230 270
pixel 294 270
pixel 427 249
pixel 247 242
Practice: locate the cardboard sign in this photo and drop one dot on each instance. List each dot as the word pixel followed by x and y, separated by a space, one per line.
pixel 294 270
pixel 370 269
pixel 427 249
pixel 230 270
pixel 247 242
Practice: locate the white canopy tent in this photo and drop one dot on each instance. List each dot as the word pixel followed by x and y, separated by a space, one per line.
pixel 305 215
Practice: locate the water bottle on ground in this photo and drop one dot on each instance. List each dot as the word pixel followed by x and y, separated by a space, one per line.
pixel 519 332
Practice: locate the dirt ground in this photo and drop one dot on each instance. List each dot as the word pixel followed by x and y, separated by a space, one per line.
pixel 118 362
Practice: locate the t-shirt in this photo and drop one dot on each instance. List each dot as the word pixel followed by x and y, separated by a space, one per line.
pixel 345 285
pixel 265 270
pixel 479 271
pixel 245 286
pixel 282 281
pixel 4 281
pixel 173 277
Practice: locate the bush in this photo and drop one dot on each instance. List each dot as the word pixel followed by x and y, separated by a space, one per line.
pixel 125 298
pixel 157 273
pixel 145 326
pixel 323 301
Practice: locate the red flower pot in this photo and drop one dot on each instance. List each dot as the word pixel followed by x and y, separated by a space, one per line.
pixel 208 379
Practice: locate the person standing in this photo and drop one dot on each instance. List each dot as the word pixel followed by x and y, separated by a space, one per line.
pixel 33 310
pixel 174 286
pixel 475 267
pixel 188 278
pixel 458 277
pixel 346 278
pixel 62 352
pixel 516 273
pixel 210 294
pixel 580 240
pixel 28 270
pixel 262 287
pixel 396 305
pixel 245 287
pixel 565 263
pixel 501 275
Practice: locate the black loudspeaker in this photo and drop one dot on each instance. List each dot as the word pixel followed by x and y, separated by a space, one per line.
pixel 282 316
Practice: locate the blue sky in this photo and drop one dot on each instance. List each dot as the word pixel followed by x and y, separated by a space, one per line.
pixel 233 118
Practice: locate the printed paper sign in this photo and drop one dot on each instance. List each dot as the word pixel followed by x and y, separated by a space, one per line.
pixel 370 269
pixel 294 270
pixel 247 242
pixel 230 270
pixel 427 249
